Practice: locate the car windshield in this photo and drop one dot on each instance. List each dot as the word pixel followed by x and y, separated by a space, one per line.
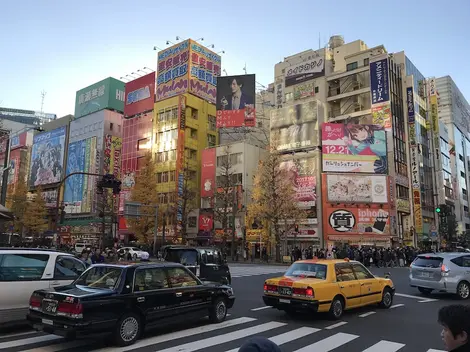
pixel 307 270
pixel 423 261
pixel 100 277
pixel 182 256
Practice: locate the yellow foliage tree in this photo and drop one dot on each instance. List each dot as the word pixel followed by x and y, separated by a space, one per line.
pixel 273 197
pixel 145 193
pixel 17 203
pixel 35 217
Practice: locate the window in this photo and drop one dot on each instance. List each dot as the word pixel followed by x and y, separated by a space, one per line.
pixel 236 159
pixel 192 221
pixel 22 267
pixel 143 144
pixel 361 272
pixel 344 272
pixel 194 114
pixel 212 122
pixel 222 161
pixel 165 176
pixel 211 140
pixel 174 113
pixel 366 61
pixel 192 154
pixel 161 115
pixel 428 262
pixel 317 271
pixel 172 176
pixel 150 279
pixel 211 256
pixel 463 261
pixel 317 90
pixel 68 268
pixel 111 125
pixel 180 277
pixel 100 277
pixel 172 197
pixel 193 133
pixel 182 256
pixel 351 66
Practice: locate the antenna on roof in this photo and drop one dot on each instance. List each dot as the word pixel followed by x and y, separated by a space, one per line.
pixel 43 96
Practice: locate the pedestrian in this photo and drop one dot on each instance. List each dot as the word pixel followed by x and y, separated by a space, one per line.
pixel 144 257
pixel 455 321
pixel 259 344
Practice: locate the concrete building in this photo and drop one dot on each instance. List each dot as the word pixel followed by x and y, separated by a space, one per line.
pixel 27 117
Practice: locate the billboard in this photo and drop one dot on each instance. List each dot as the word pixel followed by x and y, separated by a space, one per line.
pixel 112 155
pixel 295 126
pixel 303 91
pixel 304 71
pixel 302 173
pixel 382 115
pixel 204 73
pixel 416 187
pixel 106 94
pixel 208 159
pixel 236 101
pixel 379 81
pixel 355 188
pixel 363 222
pixel 140 95
pixel 354 148
pixel 206 222
pixel 173 69
pixel 50 197
pixel 18 140
pixel 47 157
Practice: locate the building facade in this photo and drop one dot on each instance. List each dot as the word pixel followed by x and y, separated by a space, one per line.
pixel 26 117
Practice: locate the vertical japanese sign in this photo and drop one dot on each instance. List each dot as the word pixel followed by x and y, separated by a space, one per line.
pixel 380 93
pixel 180 154
pixel 415 183
pixel 410 102
pixel 205 68
pixel 173 71
pixel 208 158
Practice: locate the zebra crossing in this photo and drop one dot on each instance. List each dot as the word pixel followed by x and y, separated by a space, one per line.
pixel 224 337
pixel 252 270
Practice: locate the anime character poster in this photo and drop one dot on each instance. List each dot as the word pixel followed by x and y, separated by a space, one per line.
pixel 302 173
pixel 47 157
pixel 354 148
pixel 74 185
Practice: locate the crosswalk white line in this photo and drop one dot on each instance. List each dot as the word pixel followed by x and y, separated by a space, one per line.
pixel 366 314
pixel 260 308
pixel 385 346
pixel 29 341
pixel 60 346
pixel 337 325
pixel 433 350
pixel 397 305
pixel 179 335
pixel 7 336
pixel 220 339
pixel 330 343
pixel 289 336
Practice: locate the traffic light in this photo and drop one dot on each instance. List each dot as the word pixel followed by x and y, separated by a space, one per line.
pixel 296 228
pixel 109 181
pixel 438 210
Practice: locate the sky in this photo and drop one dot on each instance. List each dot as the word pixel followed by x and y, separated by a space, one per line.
pixel 61 46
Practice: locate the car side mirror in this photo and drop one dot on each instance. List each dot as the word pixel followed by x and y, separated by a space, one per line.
pixel 387 275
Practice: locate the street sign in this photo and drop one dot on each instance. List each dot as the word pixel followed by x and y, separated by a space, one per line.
pixel 132 209
pixel 434 234
pixel 433 228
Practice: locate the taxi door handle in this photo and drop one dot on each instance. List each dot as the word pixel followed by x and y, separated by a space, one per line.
pixel 178 294
pixel 363 284
pixel 141 299
pixel 341 287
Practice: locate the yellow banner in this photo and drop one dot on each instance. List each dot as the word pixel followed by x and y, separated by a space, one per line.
pixel 434 114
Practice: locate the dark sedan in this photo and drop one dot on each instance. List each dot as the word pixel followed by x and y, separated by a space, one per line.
pixel 125 299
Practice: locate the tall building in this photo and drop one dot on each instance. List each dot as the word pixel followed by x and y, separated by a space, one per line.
pixel 184 123
pixel 27 117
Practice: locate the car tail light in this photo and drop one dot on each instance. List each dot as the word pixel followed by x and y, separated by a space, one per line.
pixel 71 310
pixel 270 288
pixel 444 270
pixel 309 292
pixel 35 302
pixel 298 291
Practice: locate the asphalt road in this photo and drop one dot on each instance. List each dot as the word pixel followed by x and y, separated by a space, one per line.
pixel 409 326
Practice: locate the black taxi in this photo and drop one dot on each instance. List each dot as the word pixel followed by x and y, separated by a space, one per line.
pixel 207 263
pixel 124 299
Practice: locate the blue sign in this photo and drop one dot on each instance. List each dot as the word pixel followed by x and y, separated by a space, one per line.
pixel 75 163
pixel 410 102
pixel 379 82
pixel 434 235
pixel 14 142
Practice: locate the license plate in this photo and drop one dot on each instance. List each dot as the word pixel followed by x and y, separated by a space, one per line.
pixel 49 306
pixel 287 291
pixel 425 274
pixel 47 322
pixel 284 300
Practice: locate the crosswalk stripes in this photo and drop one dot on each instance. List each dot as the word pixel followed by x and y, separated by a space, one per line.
pixel 227 336
pixel 251 270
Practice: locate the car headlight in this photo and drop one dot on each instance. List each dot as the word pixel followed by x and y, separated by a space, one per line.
pixel 229 291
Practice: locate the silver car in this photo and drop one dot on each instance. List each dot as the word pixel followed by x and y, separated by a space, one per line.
pixel 442 272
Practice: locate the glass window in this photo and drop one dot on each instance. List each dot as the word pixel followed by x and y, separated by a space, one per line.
pixel 361 272
pixel 317 271
pixel 428 262
pixel 143 144
pixel 344 272
pixel 68 268
pixel 180 277
pixel 150 279
pixel 100 277
pixel 182 256
pixel 22 267
pixel 212 257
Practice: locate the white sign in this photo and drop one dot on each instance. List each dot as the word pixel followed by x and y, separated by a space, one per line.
pixel 314 65
pixel 138 95
pixel 356 189
pixel 342 220
pixel 91 94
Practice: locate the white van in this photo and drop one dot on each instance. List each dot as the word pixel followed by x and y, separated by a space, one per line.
pixel 24 270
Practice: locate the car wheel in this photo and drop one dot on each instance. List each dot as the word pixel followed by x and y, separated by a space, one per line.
pixel 218 311
pixel 337 308
pixel 387 298
pixel 127 330
pixel 424 291
pixel 463 290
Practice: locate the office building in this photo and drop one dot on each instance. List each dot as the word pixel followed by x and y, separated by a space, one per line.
pixel 26 117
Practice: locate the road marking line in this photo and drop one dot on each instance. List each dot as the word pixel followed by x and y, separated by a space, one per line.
pixel 18 334
pixel 31 340
pixel 330 343
pixel 220 339
pixel 288 336
pixel 385 346
pixel 60 346
pixel 366 314
pixel 397 305
pixel 428 300
pixel 179 335
pixel 433 350
pixel 414 297
pixel 260 308
pixel 337 325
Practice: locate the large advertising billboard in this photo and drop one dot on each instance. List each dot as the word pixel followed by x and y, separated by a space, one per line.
pixel 208 169
pixel 204 71
pixel 47 157
pixel 355 188
pixel 173 68
pixel 295 126
pixel 302 173
pixel 140 95
pixel 18 140
pixel 380 92
pixel 106 94
pixel 305 71
pixel 236 101
pixel 354 148
pixel 78 197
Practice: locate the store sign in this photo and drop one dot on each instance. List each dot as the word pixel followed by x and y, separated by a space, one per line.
pixel 411 104
pixel 342 220
pixel 379 81
pixel 414 167
pixel 356 188
pixel 304 71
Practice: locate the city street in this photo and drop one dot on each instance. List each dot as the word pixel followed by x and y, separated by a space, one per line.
pixel 410 325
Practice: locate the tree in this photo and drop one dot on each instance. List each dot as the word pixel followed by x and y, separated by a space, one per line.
pixel 145 193
pixel 35 219
pixel 186 198
pixel 17 203
pixel 225 196
pixel 273 197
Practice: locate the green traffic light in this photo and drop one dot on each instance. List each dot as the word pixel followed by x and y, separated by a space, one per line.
pixel 438 210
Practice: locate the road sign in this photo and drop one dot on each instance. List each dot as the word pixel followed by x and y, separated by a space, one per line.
pixel 434 234
pixel 433 228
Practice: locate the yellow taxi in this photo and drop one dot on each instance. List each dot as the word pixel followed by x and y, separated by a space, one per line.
pixel 327 285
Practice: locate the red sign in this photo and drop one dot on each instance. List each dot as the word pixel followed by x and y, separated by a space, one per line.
pixel 208 158
pixel 140 95
pixel 206 222
pixel 181 129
